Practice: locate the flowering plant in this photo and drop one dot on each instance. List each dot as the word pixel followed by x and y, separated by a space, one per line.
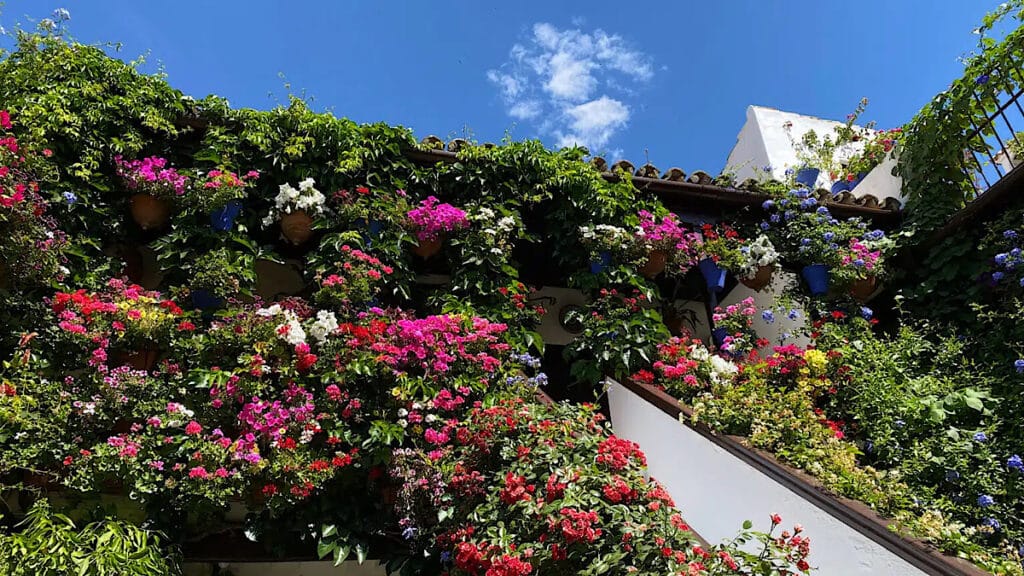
pixel 358 280
pixel 216 188
pixel 31 245
pixel 826 152
pixel 667 235
pixel 152 176
pixel 722 244
pixel 685 366
pixel 431 220
pixel 574 495
pixel 807 232
pixel 363 203
pixel 735 322
pixel 876 147
pixel 599 238
pixel 1010 261
pixel 756 254
pixel 305 198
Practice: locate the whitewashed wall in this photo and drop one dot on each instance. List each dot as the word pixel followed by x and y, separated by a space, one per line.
pixel 767 298
pixel 717 492
pixel 368 568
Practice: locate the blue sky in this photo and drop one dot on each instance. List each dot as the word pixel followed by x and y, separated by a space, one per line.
pixel 664 80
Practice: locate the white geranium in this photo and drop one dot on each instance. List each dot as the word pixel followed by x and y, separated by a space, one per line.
pixel 290 329
pixel 325 324
pixel 756 254
pixel 722 371
pixel 290 199
pixel 602 237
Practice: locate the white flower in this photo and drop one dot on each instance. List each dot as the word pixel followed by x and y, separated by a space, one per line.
pixel 722 370
pixel 290 199
pixel 270 311
pixel 430 418
pixel 402 412
pixel 325 324
pixel 506 224
pixel 307 184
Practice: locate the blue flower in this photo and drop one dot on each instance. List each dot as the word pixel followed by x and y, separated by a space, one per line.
pixel 802 193
pixel 446 556
pixel 980 437
pixel 809 203
pixel 805 241
pixel 793 314
pixel 409 533
pixel 869 446
pixel 789 215
pixel 61 14
pixel 768 204
pixel 1010 234
pixel 997 276
pixel 866 312
pixel 775 218
pixel 789 171
pixel 992 523
pixel 822 210
pixel 983 79
pixel 828 236
pixel 985 501
pixel 1001 258
pixel 70 197
pixel 768 316
pixel 1019 365
pixel 900 423
pixel 1022 281
pixel 834 246
pixel 952 475
pixel 859 262
pixel 1015 252
pixel 834 222
pixel 767 168
pixel 1015 463
pixel 765 225
pixel 785 336
pixel 875 235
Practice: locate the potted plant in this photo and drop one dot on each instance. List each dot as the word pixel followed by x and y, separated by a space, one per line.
pixel 876 147
pixel 823 152
pixel 431 221
pixel 719 252
pixel 219 275
pixel 757 263
pixel 219 193
pixel 368 211
pixel 659 241
pixel 733 331
pixel 861 264
pixel 154 186
pixel 295 208
pixel 358 279
pixel 604 242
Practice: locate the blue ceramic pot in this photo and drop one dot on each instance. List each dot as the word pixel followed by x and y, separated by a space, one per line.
pixel 374 227
pixel 853 183
pixel 714 274
pixel 602 263
pixel 206 300
pixel 718 336
pixel 223 219
pixel 807 177
pixel 840 186
pixel 816 276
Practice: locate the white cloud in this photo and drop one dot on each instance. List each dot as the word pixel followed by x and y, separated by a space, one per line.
pixel 572 82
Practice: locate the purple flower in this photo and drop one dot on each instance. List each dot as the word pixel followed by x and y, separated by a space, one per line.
pixel 1019 365
pixel 980 437
pixel 983 79
pixel 1001 258
pixel 992 523
pixel 997 276
pixel 866 312
pixel 768 316
pixel 985 501
pixel 768 204
pixel 1015 463
pixel 1010 234
pixel 70 197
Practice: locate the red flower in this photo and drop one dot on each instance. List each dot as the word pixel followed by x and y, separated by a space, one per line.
pixel 193 428
pixel 516 489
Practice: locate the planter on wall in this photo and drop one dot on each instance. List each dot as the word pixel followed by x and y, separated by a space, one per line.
pixel 807 177
pixel 735 482
pixel 149 212
pixel 297 227
pixel 223 218
pixel 714 275
pixel 862 289
pixel 816 276
pixel 604 260
pixel 655 264
pixel 428 248
pixel 758 281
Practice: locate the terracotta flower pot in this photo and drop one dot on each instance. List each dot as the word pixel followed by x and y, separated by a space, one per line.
pixel 428 248
pixel 674 323
pixel 149 212
pixel 297 227
pixel 656 262
pixel 144 359
pixel 862 289
pixel 762 278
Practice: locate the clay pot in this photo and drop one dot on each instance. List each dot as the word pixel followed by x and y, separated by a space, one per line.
pixel 762 278
pixel 149 212
pixel 144 359
pixel 674 323
pixel 862 289
pixel 655 264
pixel 297 227
pixel 428 248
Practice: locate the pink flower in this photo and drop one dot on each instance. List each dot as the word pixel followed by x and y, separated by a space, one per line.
pixel 193 428
pixel 198 472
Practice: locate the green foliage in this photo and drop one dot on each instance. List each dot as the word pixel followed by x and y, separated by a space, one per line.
pixel 51 544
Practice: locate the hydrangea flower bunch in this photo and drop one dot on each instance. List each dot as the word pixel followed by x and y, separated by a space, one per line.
pixel 305 198
pixel 216 188
pixel 432 219
pixel 152 175
pixel 359 278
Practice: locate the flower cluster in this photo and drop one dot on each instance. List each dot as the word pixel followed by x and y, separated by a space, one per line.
pixel 358 279
pixel 431 219
pixel 1009 262
pixel 305 198
pixel 734 331
pixel 757 254
pixel 722 243
pixel 685 367
pixel 605 238
pixel 152 175
pixel 217 188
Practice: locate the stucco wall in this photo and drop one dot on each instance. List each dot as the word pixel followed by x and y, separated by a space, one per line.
pixel 716 492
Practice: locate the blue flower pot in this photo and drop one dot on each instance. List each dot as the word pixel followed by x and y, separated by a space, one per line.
pixel 840 186
pixel 816 276
pixel 223 219
pixel 714 274
pixel 206 300
pixel 718 336
pixel 374 227
pixel 807 177
pixel 602 263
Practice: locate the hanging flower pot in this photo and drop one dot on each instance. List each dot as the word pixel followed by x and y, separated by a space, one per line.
pixel 758 281
pixel 428 248
pixel 372 226
pixel 297 226
pixel 604 260
pixel 714 275
pixel 149 212
pixel 205 300
pixel 840 186
pixel 816 276
pixel 718 336
pixel 851 184
pixel 223 219
pixel 655 264
pixel 807 176
pixel 142 359
pixel 863 288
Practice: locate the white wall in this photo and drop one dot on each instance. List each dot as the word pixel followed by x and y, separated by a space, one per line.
pixel 350 568
pixel 767 299
pixel 717 492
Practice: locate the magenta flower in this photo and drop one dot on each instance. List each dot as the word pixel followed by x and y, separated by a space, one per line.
pixel 430 220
